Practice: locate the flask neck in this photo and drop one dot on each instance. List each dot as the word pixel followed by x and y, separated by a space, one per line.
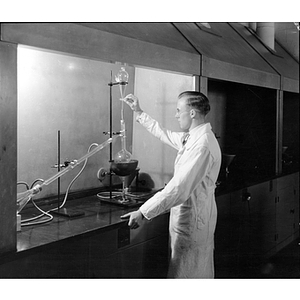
pixel 123 141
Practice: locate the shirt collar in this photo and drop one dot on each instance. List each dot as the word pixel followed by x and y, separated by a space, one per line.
pixel 200 129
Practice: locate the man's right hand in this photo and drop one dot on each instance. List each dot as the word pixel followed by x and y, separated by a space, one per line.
pixel 133 103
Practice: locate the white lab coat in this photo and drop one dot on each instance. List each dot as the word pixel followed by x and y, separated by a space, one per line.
pixel 189 196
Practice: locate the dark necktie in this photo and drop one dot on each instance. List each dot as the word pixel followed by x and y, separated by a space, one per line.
pixel 185 138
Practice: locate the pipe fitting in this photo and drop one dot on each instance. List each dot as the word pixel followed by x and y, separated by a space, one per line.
pixel 266 31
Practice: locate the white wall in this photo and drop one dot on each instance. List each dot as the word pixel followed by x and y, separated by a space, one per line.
pixel 158 92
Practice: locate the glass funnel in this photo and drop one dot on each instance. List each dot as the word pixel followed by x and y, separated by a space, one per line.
pixel 122 79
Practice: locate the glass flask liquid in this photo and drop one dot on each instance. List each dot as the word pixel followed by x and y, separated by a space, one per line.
pixel 123 155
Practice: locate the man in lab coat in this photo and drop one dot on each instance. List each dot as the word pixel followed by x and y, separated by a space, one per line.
pixel 189 195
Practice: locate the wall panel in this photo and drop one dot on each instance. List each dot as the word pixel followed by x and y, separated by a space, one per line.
pixel 8 145
pixel 96 44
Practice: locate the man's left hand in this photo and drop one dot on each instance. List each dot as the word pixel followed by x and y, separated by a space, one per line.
pixel 135 219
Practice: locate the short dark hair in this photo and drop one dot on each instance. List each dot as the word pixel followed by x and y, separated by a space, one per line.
pixel 196 100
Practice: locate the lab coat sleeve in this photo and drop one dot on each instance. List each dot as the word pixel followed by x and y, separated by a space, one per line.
pixel 185 180
pixel 173 139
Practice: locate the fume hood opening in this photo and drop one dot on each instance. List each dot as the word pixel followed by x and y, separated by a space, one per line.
pixel 70 94
pixel 248 131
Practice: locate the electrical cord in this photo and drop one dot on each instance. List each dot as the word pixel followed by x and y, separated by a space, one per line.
pixel 25 183
pixel 43 212
pixel 28 222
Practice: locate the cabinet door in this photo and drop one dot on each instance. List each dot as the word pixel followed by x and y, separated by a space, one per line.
pixel 297 201
pixel 223 228
pixel 262 216
pixel 253 212
pixel 285 211
pixel 238 218
pixel 227 237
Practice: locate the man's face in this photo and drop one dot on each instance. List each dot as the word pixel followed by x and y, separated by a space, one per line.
pixel 183 114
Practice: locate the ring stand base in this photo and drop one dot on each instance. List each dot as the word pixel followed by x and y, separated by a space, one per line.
pixel 118 200
pixel 133 198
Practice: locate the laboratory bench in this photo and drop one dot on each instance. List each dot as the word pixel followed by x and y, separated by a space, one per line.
pixel 255 221
pixel 98 244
